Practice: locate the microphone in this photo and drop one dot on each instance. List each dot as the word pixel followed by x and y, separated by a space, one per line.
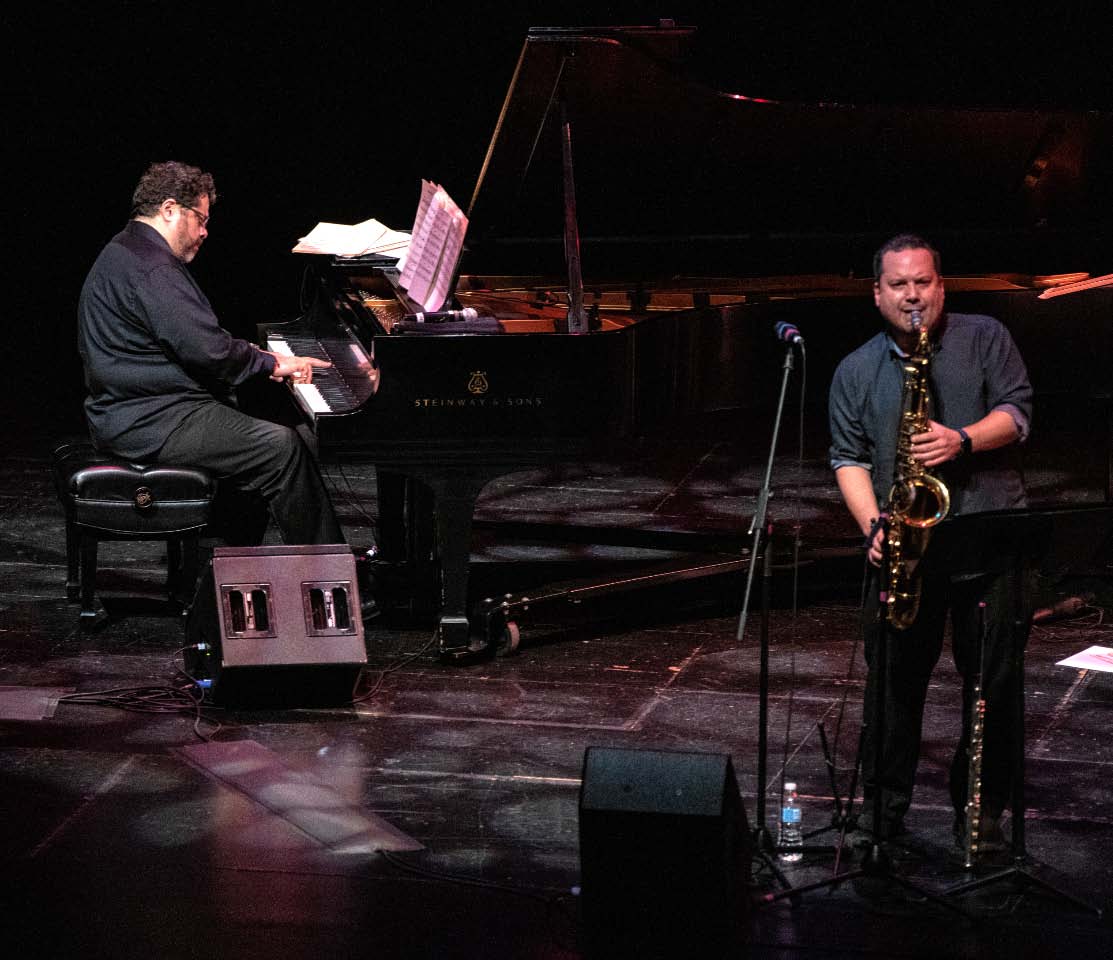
pixel 444 316
pixel 783 330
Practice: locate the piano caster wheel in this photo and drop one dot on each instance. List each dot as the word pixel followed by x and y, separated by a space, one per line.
pixel 510 640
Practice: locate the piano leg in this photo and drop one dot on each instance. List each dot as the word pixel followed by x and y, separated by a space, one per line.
pixel 425 525
pixel 455 493
pixel 391 534
pixel 406 544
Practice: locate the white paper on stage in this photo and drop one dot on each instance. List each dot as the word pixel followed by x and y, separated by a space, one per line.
pixel 1092 658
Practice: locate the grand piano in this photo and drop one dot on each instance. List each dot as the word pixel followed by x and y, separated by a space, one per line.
pixel 635 236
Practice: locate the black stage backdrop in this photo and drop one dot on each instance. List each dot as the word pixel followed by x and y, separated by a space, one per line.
pixel 327 111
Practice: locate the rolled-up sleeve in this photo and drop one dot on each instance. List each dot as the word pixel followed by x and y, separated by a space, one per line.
pixel 1006 379
pixel 850 443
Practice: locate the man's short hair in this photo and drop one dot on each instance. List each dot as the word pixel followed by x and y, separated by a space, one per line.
pixel 171 181
pixel 905 241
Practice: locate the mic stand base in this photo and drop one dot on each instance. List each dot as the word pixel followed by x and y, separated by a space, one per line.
pixel 1019 874
pixel 875 865
pixel 765 850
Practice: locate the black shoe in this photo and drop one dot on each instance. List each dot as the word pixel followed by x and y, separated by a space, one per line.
pixel 863 837
pixel 368 609
pixel 859 839
pixel 368 587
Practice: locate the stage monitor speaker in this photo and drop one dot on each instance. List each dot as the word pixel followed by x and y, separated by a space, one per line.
pixel 664 855
pixel 280 627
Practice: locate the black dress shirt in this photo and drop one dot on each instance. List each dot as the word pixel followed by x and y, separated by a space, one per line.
pixel 975 368
pixel 153 349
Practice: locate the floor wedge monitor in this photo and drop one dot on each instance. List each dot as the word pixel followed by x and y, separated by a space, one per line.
pixel 278 626
pixel 664 854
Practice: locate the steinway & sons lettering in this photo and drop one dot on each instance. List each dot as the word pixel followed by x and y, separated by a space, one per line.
pixel 478 386
pixel 488 402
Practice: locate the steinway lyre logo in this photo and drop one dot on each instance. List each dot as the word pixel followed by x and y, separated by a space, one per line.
pixel 478 385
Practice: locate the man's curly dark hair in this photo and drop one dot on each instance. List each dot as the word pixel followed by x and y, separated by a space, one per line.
pixel 171 181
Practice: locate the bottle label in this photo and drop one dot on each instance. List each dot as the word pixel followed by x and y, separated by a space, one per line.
pixel 790 814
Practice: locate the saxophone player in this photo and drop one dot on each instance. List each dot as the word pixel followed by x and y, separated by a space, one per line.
pixel 980 404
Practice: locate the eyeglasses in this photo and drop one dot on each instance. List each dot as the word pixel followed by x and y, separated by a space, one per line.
pixel 202 218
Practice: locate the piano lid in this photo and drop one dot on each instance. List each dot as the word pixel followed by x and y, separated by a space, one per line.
pixel 674 176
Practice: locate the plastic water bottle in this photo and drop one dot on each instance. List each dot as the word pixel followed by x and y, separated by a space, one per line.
pixel 792 838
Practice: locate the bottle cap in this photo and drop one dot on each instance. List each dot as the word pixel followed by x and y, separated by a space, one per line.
pixel 789 785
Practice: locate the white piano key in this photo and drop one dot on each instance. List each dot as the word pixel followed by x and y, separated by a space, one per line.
pixel 307 392
pixel 312 398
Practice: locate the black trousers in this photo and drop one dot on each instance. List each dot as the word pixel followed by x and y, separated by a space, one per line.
pixel 911 658
pixel 259 457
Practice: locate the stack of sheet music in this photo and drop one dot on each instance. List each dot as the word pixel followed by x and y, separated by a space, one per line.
pixel 355 240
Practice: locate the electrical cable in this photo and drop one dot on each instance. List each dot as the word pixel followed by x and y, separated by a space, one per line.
pixel 368 694
pixel 153 698
pixel 551 903
pixel 351 498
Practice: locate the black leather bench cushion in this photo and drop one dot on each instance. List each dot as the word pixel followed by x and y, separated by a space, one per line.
pixel 108 493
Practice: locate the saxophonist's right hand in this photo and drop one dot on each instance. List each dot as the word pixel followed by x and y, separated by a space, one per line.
pixel 875 541
pixel 874 554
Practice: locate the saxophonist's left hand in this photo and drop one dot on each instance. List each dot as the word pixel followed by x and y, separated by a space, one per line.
pixel 938 445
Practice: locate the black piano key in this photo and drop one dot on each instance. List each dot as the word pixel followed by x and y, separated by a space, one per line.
pixel 345 385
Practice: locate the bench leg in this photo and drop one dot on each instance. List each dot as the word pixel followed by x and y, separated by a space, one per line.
pixel 173 566
pixel 88 552
pixel 191 569
pixel 73 580
pixel 183 555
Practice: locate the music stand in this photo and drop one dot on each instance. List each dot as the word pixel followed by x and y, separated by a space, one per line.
pixel 1025 539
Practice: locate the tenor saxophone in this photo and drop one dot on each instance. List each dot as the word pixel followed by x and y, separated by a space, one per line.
pixel 918 500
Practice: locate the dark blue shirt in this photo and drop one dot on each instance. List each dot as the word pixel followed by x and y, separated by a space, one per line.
pixel 975 368
pixel 153 349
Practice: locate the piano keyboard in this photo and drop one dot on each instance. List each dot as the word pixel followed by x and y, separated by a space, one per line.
pixel 337 389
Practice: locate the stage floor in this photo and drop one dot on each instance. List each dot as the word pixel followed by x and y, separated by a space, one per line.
pixel 125 834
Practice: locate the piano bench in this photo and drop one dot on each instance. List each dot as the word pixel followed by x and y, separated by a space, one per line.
pixel 109 498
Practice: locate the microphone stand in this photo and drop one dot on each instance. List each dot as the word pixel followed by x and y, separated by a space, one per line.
pixel 762 532
pixel 763 842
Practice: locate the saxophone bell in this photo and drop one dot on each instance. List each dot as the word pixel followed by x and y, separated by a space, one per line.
pixel 921 501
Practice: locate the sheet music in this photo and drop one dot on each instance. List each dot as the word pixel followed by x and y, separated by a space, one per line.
pixel 1092 658
pixel 354 240
pixel 438 239
pixel 428 190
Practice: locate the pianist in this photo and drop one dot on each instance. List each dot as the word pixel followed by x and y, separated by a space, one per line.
pixel 161 373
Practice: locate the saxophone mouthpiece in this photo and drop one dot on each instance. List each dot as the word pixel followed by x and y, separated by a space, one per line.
pixel 916 318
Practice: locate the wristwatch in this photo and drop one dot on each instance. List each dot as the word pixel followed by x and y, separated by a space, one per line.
pixel 967 443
